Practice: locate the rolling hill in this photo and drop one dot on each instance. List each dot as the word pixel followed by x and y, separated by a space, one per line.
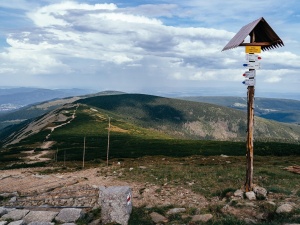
pixel 182 119
pixel 143 125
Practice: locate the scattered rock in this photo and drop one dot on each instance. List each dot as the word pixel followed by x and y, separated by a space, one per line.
pixel 239 193
pixel 261 193
pixel 157 218
pixel 251 195
pixel 175 211
pixel 19 222
pixel 40 216
pixel 69 215
pixel 202 218
pixel 16 214
pixel 224 156
pixel 13 199
pixel 143 167
pixel 285 208
pixel 2 211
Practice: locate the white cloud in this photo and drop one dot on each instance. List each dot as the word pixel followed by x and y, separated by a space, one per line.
pixel 104 40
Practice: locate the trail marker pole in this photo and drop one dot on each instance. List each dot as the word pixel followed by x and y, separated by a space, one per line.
pixel 262 37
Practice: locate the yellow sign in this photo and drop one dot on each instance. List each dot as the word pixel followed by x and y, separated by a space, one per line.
pixel 253 49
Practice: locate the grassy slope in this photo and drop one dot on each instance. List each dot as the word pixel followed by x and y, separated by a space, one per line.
pixel 187 119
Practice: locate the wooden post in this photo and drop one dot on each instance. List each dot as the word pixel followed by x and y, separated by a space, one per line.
pixel 250 129
pixel 108 134
pixel 83 152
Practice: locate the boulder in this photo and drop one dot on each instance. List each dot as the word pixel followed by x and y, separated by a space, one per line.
pixel 69 215
pixel 116 204
pixel 285 208
pixel 3 222
pixel 260 192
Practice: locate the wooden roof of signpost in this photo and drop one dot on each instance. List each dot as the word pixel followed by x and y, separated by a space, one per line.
pixel 261 34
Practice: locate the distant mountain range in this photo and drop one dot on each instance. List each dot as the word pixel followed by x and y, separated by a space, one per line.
pixel 15 98
pixel 281 110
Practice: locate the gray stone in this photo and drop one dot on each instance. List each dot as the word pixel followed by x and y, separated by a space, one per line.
pixel 157 218
pixel 41 223
pixel 285 208
pixel 238 193
pixel 3 222
pixel 19 222
pixel 16 214
pixel 251 195
pixel 40 216
pixel 3 211
pixel 13 199
pixel 69 224
pixel 69 215
pixel 261 193
pixel 175 211
pixel 202 218
pixel 116 204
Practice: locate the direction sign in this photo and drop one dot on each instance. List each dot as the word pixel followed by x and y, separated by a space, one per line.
pixel 249 82
pixel 252 57
pixel 253 49
pixel 250 74
pixel 252 65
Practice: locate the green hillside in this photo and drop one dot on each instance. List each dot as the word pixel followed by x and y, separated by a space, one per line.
pixel 144 125
pixel 189 120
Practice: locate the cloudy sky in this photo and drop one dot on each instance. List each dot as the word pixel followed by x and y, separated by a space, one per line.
pixel 149 46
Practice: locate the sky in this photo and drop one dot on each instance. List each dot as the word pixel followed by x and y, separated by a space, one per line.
pixel 145 46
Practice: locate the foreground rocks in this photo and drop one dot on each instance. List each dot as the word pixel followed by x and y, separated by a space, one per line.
pixel 27 217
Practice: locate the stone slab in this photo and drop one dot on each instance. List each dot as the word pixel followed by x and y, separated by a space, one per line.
pixel 17 214
pixel 40 216
pixel 69 215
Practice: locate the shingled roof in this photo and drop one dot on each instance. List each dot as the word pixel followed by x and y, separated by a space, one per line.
pixel 261 34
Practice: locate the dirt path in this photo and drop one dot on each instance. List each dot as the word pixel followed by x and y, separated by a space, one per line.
pixel 28 182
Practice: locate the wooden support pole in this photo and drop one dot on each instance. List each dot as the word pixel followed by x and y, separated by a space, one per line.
pixel 108 134
pixel 250 129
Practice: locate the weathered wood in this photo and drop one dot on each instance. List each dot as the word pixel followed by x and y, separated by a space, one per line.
pixel 250 147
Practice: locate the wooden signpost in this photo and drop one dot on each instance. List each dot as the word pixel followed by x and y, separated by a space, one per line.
pixel 262 37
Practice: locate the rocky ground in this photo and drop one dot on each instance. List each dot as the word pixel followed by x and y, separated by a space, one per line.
pixel 30 189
